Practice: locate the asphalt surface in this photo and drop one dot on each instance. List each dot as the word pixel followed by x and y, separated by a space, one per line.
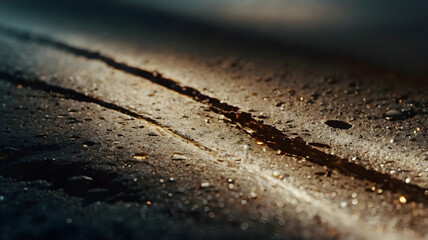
pixel 127 125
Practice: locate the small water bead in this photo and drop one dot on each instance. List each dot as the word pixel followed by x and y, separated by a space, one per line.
pixel 74 138
pixel 253 195
pixel 244 226
pixel 140 156
pixel 178 156
pixel 87 144
pixel 393 114
pixel 278 174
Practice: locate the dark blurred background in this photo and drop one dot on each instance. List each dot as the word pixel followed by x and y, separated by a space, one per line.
pixel 391 33
pixel 386 34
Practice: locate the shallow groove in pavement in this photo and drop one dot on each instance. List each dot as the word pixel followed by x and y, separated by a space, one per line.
pixel 271 136
pixel 74 95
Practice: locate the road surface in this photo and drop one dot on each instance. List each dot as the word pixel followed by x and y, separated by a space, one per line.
pixel 118 127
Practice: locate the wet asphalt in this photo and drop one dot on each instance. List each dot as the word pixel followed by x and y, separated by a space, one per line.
pixel 142 125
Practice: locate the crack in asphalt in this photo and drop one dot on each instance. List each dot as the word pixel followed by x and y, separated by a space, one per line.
pixel 268 134
pixel 16 79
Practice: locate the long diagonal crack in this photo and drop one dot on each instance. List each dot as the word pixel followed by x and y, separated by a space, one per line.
pixel 273 137
pixel 74 95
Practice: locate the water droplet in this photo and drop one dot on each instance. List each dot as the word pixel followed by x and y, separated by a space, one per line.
pixel 393 115
pixel 277 174
pixel 88 144
pixel 74 138
pixel 78 185
pixel 205 184
pixel 140 156
pixel 253 194
pixel 244 226
pixel 408 180
pixel 402 199
pixel 178 156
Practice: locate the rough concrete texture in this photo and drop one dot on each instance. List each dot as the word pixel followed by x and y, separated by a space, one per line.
pixel 92 149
